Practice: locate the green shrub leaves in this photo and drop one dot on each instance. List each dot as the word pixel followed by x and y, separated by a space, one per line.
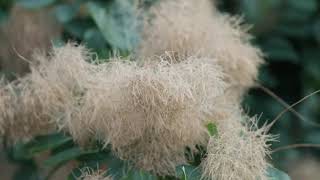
pixel 32 4
pixel 117 23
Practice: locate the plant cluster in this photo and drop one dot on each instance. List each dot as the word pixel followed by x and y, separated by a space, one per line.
pixel 174 104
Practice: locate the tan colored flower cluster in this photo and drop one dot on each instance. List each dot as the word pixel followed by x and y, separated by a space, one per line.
pixel 21 113
pixel 60 81
pixel 150 113
pixel 191 69
pixel 184 28
pixel 141 110
pixel 238 151
pixel 35 104
pixel 196 28
pixel 90 174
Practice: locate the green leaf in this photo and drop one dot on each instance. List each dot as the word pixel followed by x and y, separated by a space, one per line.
pixel 19 152
pixel 43 143
pixel 267 78
pixel 294 30
pixel 256 11
pixel 316 30
pixel 212 129
pixel 94 39
pixel 32 4
pixel 187 172
pixel 77 28
pixel 26 172
pixel 65 156
pixel 116 167
pixel 291 15
pixel 3 16
pixel 305 6
pixel 117 22
pixel 275 174
pixel 5 4
pixel 138 175
pixel 24 151
pixel 311 66
pixel 65 12
pixel 279 49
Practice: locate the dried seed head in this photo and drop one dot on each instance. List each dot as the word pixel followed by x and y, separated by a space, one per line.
pixel 196 28
pixel 36 103
pixel 89 174
pixel 151 110
pixel 151 113
pixel 60 80
pixel 238 151
pixel 21 113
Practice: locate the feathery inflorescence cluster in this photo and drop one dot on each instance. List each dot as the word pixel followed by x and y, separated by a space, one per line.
pixel 195 28
pixel 192 68
pixel 25 34
pixel 184 28
pixel 21 113
pixel 146 111
pixel 238 151
pixel 90 174
pixel 34 104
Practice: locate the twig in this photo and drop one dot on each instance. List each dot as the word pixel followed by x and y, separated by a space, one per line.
pixel 290 107
pixel 286 105
pixel 296 146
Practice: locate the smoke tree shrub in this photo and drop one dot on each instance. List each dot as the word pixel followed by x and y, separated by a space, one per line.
pixel 171 110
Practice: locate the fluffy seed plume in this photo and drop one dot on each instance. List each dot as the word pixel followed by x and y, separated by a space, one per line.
pixel 90 174
pixel 238 151
pixel 196 28
pixel 60 81
pixel 149 111
pixel 23 34
pixel 21 113
pixel 52 91
pixel 150 114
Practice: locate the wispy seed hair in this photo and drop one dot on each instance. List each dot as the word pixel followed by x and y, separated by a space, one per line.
pixel 150 110
pixel 21 113
pixel 197 28
pixel 239 151
pixel 150 114
pixel 89 174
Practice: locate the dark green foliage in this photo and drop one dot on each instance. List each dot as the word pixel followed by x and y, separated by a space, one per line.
pixel 186 172
pixel 117 22
pixel 27 171
pixel 39 144
pixel 212 129
pixel 288 33
pixel 33 4
pixel 275 174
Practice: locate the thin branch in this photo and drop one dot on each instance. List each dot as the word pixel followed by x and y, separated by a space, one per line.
pixel 286 105
pixel 290 107
pixel 293 146
pixel 20 56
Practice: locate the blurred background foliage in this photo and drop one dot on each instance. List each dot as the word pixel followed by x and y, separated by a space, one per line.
pixel 288 32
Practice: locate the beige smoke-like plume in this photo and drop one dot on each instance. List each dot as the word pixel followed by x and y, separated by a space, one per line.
pixel 192 68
